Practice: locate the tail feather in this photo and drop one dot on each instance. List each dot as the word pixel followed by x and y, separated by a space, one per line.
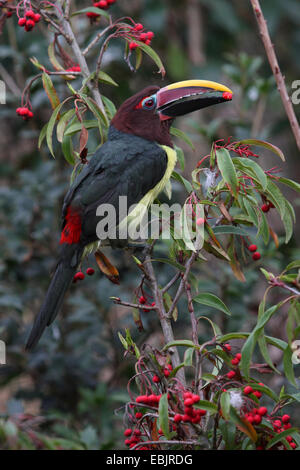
pixel 60 282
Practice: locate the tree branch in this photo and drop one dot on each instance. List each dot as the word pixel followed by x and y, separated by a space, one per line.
pixel 263 29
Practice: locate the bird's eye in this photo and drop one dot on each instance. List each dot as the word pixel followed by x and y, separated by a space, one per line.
pixel 149 103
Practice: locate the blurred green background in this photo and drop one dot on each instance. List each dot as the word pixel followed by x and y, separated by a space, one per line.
pixel 76 378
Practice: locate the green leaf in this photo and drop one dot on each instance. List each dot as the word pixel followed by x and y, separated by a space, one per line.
pixel 153 55
pixel 181 342
pixel 292 184
pixel 182 135
pixel 77 126
pixel 211 300
pixel 225 405
pixel 50 90
pixel 62 124
pixel 261 143
pixel 255 170
pixel 67 148
pixel 176 176
pixel 42 135
pixel 262 343
pixel 243 424
pixel 163 415
pixel 105 78
pixel 232 229
pixel 188 357
pixel 227 169
pixel 180 157
pixel 206 405
pixel 293 265
pixel 280 437
pixel 250 343
pixel 91 10
pixel 288 365
pixel 51 125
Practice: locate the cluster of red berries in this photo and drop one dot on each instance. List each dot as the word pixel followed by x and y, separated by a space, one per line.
pixel 133 437
pixel 75 68
pixel 191 415
pixel 138 33
pixel 103 5
pixel 167 371
pixel 29 20
pixel 256 254
pixel 248 389
pixel 25 113
pixel 267 206
pixel 143 300
pixel 80 275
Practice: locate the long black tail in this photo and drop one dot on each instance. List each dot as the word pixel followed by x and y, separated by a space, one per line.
pixel 60 282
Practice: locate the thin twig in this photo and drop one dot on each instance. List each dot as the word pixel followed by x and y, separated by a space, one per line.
pixel 129 304
pixel 269 48
pixel 93 87
pixel 165 320
pixel 171 283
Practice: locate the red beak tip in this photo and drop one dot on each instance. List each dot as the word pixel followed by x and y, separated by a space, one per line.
pixel 227 95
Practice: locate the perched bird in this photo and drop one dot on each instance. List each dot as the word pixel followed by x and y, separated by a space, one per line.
pixel 136 161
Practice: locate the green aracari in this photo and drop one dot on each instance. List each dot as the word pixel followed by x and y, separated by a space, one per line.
pixel 136 161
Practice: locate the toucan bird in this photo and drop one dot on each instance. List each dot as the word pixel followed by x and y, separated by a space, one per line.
pixel 136 161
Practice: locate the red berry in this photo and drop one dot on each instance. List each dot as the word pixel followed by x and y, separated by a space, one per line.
pixel 293 445
pixel 201 412
pixel 265 207
pixel 138 27
pixel 252 247
pixel 289 438
pixel 127 442
pixel 227 347
pixel 167 373
pixel 142 399
pixel 248 390
pixel 257 393
pixel 271 205
pixel 257 419
pixel 79 276
pixel 262 411
pixel 22 22
pixel 29 25
pixel 37 17
pixel 127 432
pixel 150 35
pixel 235 361
pixel 187 395
pixel 30 14
pixel 256 256
pixel 196 398
pixel 250 419
pixel 156 379
pixel 110 2
pixel 133 45
pixel 230 374
pixel 91 14
pixel 138 415
pixel 102 4
pixel 169 366
pixel 137 432
pixel 177 418
pixel 90 271
pixel 285 418
pixel 186 418
pixel 143 37
pixel 9 14
pixel 277 423
pixel 238 356
pixel 142 300
pixel 188 402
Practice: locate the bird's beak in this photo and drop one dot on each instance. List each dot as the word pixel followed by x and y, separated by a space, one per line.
pixel 190 95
